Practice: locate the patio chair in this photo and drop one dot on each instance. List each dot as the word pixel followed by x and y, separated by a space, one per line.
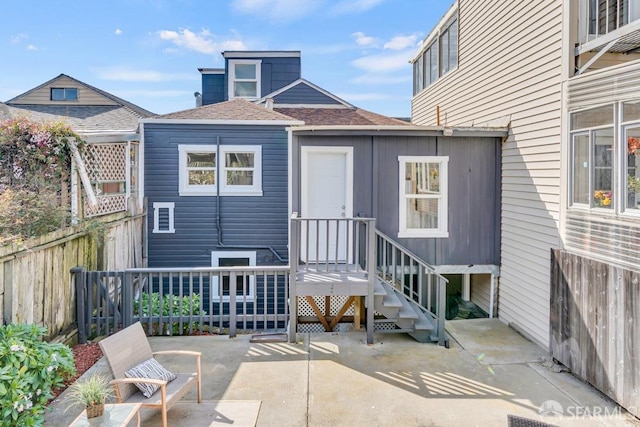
pixel 125 352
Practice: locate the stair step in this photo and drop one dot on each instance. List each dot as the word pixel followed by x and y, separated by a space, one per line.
pixel 406 312
pixel 423 322
pixel 392 300
pixel 378 288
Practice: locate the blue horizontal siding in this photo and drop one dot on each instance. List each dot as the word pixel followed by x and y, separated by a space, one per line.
pixel 244 220
pixel 304 94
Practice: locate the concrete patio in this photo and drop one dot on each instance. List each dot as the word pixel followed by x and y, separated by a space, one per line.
pixel 336 379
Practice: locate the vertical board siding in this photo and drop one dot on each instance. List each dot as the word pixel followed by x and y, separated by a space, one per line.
pixel 36 283
pixel 473 191
pixel 595 324
pixel 248 221
pixel 510 72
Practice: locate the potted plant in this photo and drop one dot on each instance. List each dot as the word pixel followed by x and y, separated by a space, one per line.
pixel 91 393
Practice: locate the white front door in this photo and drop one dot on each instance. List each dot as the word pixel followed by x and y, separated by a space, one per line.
pixel 326 192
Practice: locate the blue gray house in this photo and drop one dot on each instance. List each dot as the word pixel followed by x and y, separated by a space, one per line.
pixel 224 180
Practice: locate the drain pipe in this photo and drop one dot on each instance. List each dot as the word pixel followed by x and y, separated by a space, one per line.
pixel 219 216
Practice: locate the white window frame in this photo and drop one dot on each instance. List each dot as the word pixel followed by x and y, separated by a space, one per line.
pixel 184 189
pixel 443 197
pixel 240 190
pixel 157 206
pixel 215 262
pixel 233 79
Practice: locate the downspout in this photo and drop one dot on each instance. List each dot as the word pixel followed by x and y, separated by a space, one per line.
pixel 219 216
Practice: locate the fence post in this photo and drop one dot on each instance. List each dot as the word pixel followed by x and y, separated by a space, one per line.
pixel 127 299
pixel 78 274
pixel 233 287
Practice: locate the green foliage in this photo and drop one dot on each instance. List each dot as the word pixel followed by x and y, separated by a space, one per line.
pixel 30 369
pixel 169 304
pixel 35 159
pixel 91 391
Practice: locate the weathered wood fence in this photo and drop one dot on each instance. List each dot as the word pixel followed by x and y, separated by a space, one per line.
pixel 35 278
pixel 595 324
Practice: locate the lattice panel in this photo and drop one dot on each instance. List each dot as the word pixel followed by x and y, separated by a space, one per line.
pixel 304 309
pixel 106 162
pixel 107 204
pixel 310 327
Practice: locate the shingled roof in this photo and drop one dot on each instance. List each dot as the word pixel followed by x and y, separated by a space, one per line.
pixel 235 109
pixel 339 117
pixel 119 116
pixel 81 118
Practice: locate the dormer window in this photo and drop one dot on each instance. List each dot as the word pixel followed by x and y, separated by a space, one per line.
pixel 244 79
pixel 64 94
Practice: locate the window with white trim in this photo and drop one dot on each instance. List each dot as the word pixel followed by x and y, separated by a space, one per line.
pixel 423 196
pixel 438 57
pixel 245 283
pixel 163 219
pixel 244 78
pixel 239 170
pixel 605 158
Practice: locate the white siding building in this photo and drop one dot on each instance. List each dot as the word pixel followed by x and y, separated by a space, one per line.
pixel 564 77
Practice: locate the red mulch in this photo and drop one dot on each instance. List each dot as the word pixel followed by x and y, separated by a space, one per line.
pixel 84 356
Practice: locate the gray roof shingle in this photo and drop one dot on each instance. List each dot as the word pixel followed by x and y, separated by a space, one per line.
pixel 235 109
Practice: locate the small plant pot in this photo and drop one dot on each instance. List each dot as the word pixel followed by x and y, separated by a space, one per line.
pixel 95 410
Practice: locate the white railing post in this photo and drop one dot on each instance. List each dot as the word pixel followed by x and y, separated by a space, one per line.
pixel 294 259
pixel 371 269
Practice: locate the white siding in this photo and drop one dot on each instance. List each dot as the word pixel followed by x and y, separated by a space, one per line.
pixel 510 63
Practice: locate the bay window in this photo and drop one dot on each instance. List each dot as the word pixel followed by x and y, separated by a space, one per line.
pixel 605 158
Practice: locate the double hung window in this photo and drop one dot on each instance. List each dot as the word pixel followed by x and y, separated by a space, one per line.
pixel 239 170
pixel 244 79
pixel 423 196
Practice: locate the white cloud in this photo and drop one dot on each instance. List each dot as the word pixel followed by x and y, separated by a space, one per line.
pixel 364 40
pixel 18 38
pixel 32 47
pixel 277 10
pixel 382 63
pixel 125 74
pixel 200 42
pixel 401 42
pixel 118 31
pixel 354 6
pixel 377 79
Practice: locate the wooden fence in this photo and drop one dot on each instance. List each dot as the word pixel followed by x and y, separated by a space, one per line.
pixel 35 278
pixel 595 324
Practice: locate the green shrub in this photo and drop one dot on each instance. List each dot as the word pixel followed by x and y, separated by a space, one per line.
pixel 30 369
pixel 170 304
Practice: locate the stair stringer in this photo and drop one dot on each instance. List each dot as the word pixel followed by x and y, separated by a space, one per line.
pixel 408 316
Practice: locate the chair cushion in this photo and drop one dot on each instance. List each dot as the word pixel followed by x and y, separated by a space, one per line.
pixel 151 369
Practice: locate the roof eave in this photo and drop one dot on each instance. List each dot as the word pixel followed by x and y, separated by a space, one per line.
pixel 499 132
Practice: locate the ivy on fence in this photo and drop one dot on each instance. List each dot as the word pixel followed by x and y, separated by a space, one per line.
pixel 35 162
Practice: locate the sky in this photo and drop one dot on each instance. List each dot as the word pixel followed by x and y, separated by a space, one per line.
pixel 148 51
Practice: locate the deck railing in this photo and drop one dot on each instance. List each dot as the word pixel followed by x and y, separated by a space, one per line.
pixel 414 278
pixel 181 301
pixel 341 249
